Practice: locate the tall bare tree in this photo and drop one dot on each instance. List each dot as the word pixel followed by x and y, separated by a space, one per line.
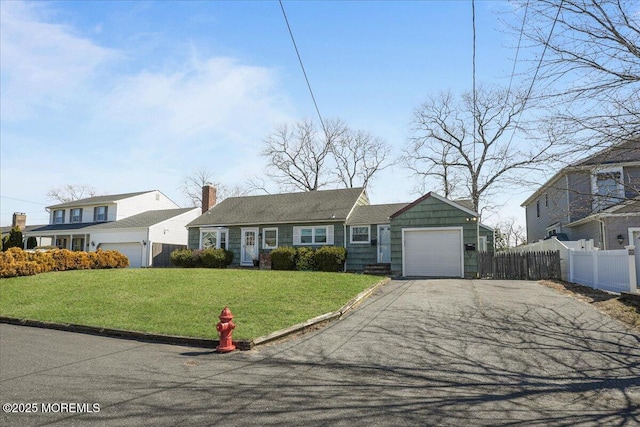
pixel 467 141
pixel 590 70
pixel 71 192
pixel 192 184
pixel 509 234
pixel 359 156
pixel 306 157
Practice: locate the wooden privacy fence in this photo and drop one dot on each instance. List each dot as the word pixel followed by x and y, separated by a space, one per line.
pixel 160 253
pixel 519 266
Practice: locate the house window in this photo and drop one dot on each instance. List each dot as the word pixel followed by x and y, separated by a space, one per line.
pixel 214 239
pixel 608 188
pixel 58 217
pixel 76 215
pixel 537 208
pixel 546 200
pixel 360 234
pixel 269 238
pixel 100 213
pixel 77 244
pixel 313 235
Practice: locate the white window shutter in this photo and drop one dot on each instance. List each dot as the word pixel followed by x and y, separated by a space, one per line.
pixel 296 235
pixel 329 234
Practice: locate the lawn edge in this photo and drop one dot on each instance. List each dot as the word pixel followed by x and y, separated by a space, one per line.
pixel 300 327
pixel 192 341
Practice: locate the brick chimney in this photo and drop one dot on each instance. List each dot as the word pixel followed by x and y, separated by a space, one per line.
pixel 19 220
pixel 208 197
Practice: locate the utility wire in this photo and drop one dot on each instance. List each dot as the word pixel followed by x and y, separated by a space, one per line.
pixel 515 60
pixel 535 75
pixel 473 75
pixel 302 66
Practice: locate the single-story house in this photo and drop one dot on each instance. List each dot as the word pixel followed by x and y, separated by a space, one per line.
pixel 430 237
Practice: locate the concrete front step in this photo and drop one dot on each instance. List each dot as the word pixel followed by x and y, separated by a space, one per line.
pixel 381 269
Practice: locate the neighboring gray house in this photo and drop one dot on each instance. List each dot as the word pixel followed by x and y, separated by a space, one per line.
pixel 595 198
pixel 140 225
pixel 430 237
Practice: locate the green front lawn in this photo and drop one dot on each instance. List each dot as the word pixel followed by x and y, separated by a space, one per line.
pixel 176 301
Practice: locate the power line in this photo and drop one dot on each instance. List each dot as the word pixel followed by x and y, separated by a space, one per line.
pixel 515 60
pixel 473 76
pixel 295 46
pixel 22 200
pixel 535 75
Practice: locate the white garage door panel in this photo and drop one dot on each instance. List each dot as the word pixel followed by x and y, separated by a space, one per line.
pixel 434 253
pixel 133 251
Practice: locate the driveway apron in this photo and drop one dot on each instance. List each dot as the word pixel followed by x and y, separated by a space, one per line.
pixel 418 352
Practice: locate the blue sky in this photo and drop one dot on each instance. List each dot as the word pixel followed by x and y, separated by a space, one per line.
pixel 130 96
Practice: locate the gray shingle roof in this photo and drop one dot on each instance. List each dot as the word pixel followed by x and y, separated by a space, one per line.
pixel 142 220
pixel 326 205
pixel 96 200
pixel 7 230
pixel 628 151
pixel 374 214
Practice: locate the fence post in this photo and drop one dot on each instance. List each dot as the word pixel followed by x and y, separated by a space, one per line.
pixel 571 265
pixel 594 262
pixel 632 268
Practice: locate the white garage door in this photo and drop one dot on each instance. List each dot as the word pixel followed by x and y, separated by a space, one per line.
pixel 133 251
pixel 432 252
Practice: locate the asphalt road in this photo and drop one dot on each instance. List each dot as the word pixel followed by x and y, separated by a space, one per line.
pixel 424 352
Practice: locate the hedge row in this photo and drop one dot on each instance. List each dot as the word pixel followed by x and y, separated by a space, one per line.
pixel 16 262
pixel 201 258
pixel 327 258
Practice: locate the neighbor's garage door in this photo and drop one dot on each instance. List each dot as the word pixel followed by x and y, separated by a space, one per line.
pixel 133 251
pixel 433 252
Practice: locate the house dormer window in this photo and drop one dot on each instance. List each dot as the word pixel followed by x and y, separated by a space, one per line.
pixel 58 216
pixel 607 188
pixel 76 215
pixel 100 213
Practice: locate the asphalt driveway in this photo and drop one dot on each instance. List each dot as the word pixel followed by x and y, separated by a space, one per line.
pixel 424 352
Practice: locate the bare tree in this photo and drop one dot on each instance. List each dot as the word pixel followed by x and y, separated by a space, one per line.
pixel 358 157
pixel 590 70
pixel 307 158
pixel 191 187
pixel 71 192
pixel 509 234
pixel 467 141
pixel 298 155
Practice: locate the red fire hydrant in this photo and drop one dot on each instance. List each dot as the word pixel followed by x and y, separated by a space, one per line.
pixel 225 329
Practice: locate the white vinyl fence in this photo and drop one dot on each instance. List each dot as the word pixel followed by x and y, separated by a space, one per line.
pixel 582 263
pixel 613 271
pixel 554 244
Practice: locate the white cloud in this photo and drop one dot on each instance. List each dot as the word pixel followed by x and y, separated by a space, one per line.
pixel 64 114
pixel 43 64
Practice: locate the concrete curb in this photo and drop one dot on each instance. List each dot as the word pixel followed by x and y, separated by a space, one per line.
pixel 190 341
pixel 300 327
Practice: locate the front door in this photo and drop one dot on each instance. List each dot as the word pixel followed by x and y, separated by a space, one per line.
pixel 384 243
pixel 249 249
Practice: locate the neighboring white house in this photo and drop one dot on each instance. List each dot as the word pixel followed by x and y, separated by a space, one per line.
pixel 130 223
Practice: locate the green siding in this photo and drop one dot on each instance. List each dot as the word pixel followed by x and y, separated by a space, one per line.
pixel 360 254
pixel 432 212
pixel 285 237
